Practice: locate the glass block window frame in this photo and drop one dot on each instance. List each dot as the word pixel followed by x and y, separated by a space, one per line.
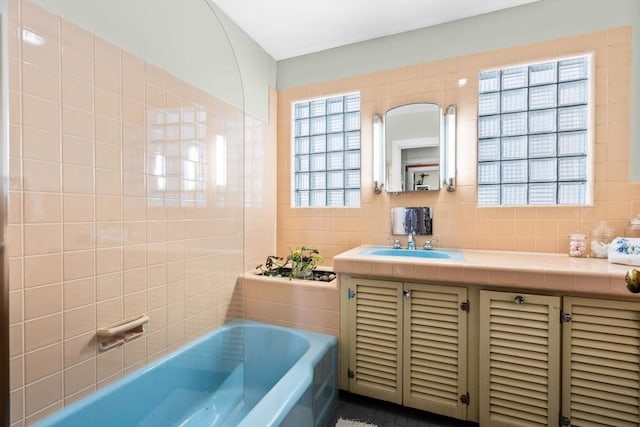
pixel 326 152
pixel 534 136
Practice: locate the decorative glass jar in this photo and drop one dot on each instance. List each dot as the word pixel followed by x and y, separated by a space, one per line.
pixel 633 227
pixel 577 245
pixel 601 236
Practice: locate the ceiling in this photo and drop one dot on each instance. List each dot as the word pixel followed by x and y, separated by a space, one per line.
pixel 288 28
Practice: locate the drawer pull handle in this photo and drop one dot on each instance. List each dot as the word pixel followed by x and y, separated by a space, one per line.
pixel 519 299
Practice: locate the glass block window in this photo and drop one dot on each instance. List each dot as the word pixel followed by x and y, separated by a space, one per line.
pixel 326 152
pixel 533 134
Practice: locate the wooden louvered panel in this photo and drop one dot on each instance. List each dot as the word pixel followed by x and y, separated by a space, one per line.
pixel 376 342
pixel 601 374
pixel 519 360
pixel 435 349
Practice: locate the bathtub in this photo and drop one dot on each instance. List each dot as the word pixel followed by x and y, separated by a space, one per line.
pixel 245 373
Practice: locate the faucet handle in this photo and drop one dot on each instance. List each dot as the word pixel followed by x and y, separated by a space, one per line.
pixel 396 243
pixel 428 244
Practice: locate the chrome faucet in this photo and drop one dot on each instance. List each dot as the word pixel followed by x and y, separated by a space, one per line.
pixel 428 245
pixel 396 243
pixel 411 241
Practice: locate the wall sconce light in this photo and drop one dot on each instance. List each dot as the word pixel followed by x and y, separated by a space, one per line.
pixel 378 154
pixel 450 148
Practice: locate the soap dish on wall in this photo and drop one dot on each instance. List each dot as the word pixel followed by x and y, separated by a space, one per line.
pixel 121 331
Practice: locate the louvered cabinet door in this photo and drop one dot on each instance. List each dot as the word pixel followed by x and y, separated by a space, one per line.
pixel 601 351
pixel 435 349
pixel 375 331
pixel 519 360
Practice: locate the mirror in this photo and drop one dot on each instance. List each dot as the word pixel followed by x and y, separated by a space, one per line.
pixel 412 147
pixel 416 220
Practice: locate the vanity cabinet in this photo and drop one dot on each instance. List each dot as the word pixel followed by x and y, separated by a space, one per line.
pixel 601 362
pixel 408 344
pixel 550 360
pixel 514 359
pixel 519 364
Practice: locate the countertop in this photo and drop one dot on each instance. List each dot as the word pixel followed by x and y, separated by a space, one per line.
pixel 535 271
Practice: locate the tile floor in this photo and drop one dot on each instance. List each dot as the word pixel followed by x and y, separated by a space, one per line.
pixel 384 414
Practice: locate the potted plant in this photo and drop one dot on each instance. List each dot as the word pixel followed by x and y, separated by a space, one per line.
pixel 301 263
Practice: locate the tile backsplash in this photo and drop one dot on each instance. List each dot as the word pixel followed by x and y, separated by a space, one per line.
pixel 127 196
pixel 458 221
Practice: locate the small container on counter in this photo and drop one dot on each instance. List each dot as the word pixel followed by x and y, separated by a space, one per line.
pixel 601 236
pixel 577 245
pixel 633 227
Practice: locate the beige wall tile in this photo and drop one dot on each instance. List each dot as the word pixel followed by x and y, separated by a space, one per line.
pixel 108 260
pixel 43 393
pixel 107 104
pixel 16 299
pixel 79 377
pixel 108 182
pixel 109 286
pixel 80 348
pixel 77 179
pixel 108 130
pixel 39 144
pixel 15 240
pixel 42 301
pixel 17 406
pixel 78 208
pixel 42 269
pixel 108 208
pixel 77 64
pixel 45 55
pixel 134 304
pixel 16 373
pixel 78 94
pixel 43 362
pixel 107 76
pixel 79 395
pixel 16 281
pixel 77 293
pixel 135 280
pixel 79 321
pixel 79 264
pixel 79 236
pixel 40 113
pixel 108 312
pixel 77 151
pixel 41 176
pixel 109 234
pixel 42 239
pixel 42 332
pixel 77 122
pixel 40 82
pixel 135 256
pixel 135 351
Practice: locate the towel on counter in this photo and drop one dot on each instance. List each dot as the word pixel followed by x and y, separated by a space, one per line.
pixel 625 250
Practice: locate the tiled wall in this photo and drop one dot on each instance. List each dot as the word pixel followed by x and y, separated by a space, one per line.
pixel 458 222
pixel 310 306
pixel 260 193
pixel 117 208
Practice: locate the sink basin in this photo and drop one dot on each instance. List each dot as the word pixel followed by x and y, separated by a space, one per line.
pixel 441 254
